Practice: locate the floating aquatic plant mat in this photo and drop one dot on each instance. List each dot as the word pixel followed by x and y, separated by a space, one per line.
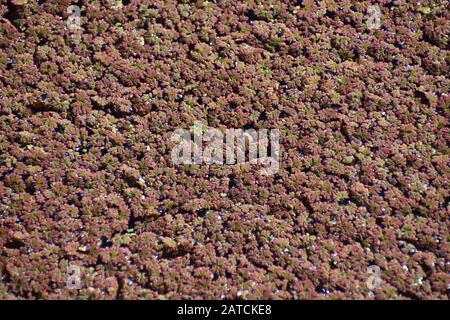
pixel 93 205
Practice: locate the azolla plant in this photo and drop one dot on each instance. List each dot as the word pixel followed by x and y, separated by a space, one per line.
pixel 93 207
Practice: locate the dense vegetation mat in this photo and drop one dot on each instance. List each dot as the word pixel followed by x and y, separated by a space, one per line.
pixel 87 180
